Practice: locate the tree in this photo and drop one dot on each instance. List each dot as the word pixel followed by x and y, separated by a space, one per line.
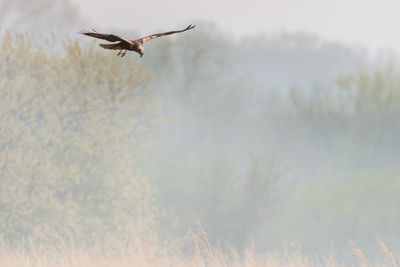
pixel 69 122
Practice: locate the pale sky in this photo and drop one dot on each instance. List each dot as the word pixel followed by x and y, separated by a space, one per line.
pixel 373 23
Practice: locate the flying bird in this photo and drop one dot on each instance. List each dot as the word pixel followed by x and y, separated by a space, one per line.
pixel 123 45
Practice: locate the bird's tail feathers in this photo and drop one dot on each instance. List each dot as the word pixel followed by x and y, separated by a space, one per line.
pixel 110 46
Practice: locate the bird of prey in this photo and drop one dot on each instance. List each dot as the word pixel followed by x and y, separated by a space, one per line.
pixel 123 45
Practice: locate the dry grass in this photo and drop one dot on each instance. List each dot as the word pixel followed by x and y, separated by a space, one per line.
pixel 51 250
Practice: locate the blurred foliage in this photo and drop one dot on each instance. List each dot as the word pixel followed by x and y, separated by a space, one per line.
pixel 339 129
pixel 343 128
pixel 346 147
pixel 68 124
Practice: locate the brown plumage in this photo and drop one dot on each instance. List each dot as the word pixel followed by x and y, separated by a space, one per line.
pixel 123 45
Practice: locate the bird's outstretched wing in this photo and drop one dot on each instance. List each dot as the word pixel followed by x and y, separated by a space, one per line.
pixel 108 37
pixel 148 38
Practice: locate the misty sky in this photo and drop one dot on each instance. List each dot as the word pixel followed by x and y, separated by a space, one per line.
pixel 368 22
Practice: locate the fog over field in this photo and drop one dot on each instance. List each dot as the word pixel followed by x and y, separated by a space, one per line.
pixel 281 138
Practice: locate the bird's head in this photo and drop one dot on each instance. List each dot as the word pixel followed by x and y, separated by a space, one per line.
pixel 141 51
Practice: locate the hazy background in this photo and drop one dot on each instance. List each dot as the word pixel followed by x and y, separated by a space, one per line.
pixel 270 123
pixel 369 23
